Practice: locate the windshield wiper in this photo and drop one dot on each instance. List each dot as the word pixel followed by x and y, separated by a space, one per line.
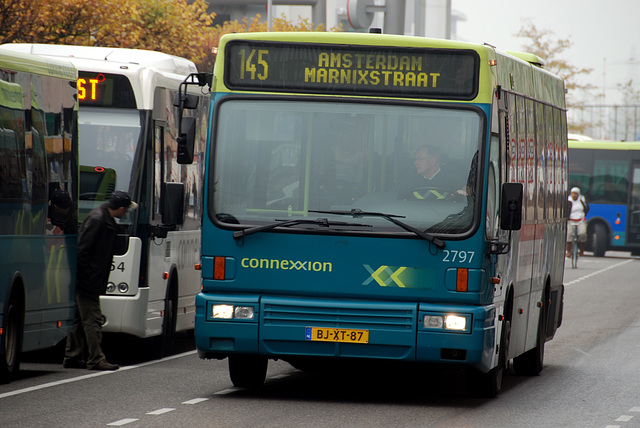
pixel 355 212
pixel 322 222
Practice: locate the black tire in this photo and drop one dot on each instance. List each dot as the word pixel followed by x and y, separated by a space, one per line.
pixel 11 339
pixel 599 240
pixel 484 385
pixel 488 385
pixel 162 345
pixel 530 363
pixel 247 371
pixel 169 321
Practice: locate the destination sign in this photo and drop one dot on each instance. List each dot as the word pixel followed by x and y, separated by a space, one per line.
pixel 351 70
pixel 105 90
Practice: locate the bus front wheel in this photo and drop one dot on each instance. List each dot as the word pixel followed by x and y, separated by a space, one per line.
pixel 530 363
pixel 488 385
pixel 11 338
pixel 247 371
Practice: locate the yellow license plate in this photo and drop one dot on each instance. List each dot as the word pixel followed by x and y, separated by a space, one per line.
pixel 337 335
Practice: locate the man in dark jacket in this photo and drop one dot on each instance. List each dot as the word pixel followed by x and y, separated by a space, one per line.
pixel 432 181
pixel 96 241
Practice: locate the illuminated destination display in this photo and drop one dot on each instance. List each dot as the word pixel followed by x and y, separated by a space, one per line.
pixel 351 70
pixel 105 90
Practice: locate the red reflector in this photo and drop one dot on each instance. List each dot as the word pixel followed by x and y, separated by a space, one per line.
pixel 165 275
pixel 462 280
pixel 59 324
pixel 219 267
pixel 198 266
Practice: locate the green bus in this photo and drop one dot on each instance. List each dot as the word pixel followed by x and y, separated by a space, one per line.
pixel 38 236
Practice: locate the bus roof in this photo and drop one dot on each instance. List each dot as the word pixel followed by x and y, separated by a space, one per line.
pixel 162 61
pixel 145 70
pixel 604 145
pixel 24 62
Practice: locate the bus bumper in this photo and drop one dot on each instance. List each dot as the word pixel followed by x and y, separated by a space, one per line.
pixel 281 328
pixel 126 314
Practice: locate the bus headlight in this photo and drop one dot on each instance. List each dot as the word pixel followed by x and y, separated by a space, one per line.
pixel 223 311
pixel 230 311
pixel 123 287
pixel 111 287
pixel 244 312
pixel 445 322
pixel 433 321
pixel 455 322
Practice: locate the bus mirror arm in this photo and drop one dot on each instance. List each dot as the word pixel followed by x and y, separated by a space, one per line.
pixel 160 231
pixel 500 247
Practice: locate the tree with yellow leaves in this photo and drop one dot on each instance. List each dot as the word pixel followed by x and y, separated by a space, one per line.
pixel 177 27
pixel 277 24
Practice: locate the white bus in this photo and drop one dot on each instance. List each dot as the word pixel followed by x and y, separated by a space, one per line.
pixel 128 141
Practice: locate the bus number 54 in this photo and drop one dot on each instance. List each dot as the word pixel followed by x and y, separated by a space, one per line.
pixel 247 64
pixel 120 267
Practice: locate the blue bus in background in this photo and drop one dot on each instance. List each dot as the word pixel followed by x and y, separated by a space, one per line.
pixel 324 242
pixel 38 232
pixel 608 174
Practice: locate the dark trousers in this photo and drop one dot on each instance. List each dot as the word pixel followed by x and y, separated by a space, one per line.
pixel 83 343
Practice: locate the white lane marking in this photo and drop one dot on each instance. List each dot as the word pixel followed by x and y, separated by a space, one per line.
pixel 92 375
pixel 624 418
pixel 226 391
pixel 121 422
pixel 634 409
pixel 161 411
pixel 195 401
pixel 598 272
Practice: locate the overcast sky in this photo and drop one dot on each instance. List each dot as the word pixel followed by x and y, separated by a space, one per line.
pixel 605 35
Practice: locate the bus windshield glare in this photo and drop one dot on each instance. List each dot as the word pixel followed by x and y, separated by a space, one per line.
pixel 282 158
pixel 108 141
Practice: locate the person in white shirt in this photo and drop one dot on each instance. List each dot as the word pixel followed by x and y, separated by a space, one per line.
pixel 578 208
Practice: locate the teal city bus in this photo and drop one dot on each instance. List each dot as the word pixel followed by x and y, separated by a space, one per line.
pixel 322 242
pixel 38 233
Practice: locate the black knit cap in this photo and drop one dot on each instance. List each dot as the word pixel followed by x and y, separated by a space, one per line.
pixel 120 198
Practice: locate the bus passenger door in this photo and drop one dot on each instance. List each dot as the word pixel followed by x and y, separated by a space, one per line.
pixel 633 237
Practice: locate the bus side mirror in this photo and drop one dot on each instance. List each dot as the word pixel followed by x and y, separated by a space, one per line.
pixel 173 203
pixel 188 101
pixel 186 140
pixel 187 125
pixel 511 206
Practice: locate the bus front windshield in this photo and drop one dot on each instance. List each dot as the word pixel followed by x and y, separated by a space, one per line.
pixel 284 159
pixel 108 140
